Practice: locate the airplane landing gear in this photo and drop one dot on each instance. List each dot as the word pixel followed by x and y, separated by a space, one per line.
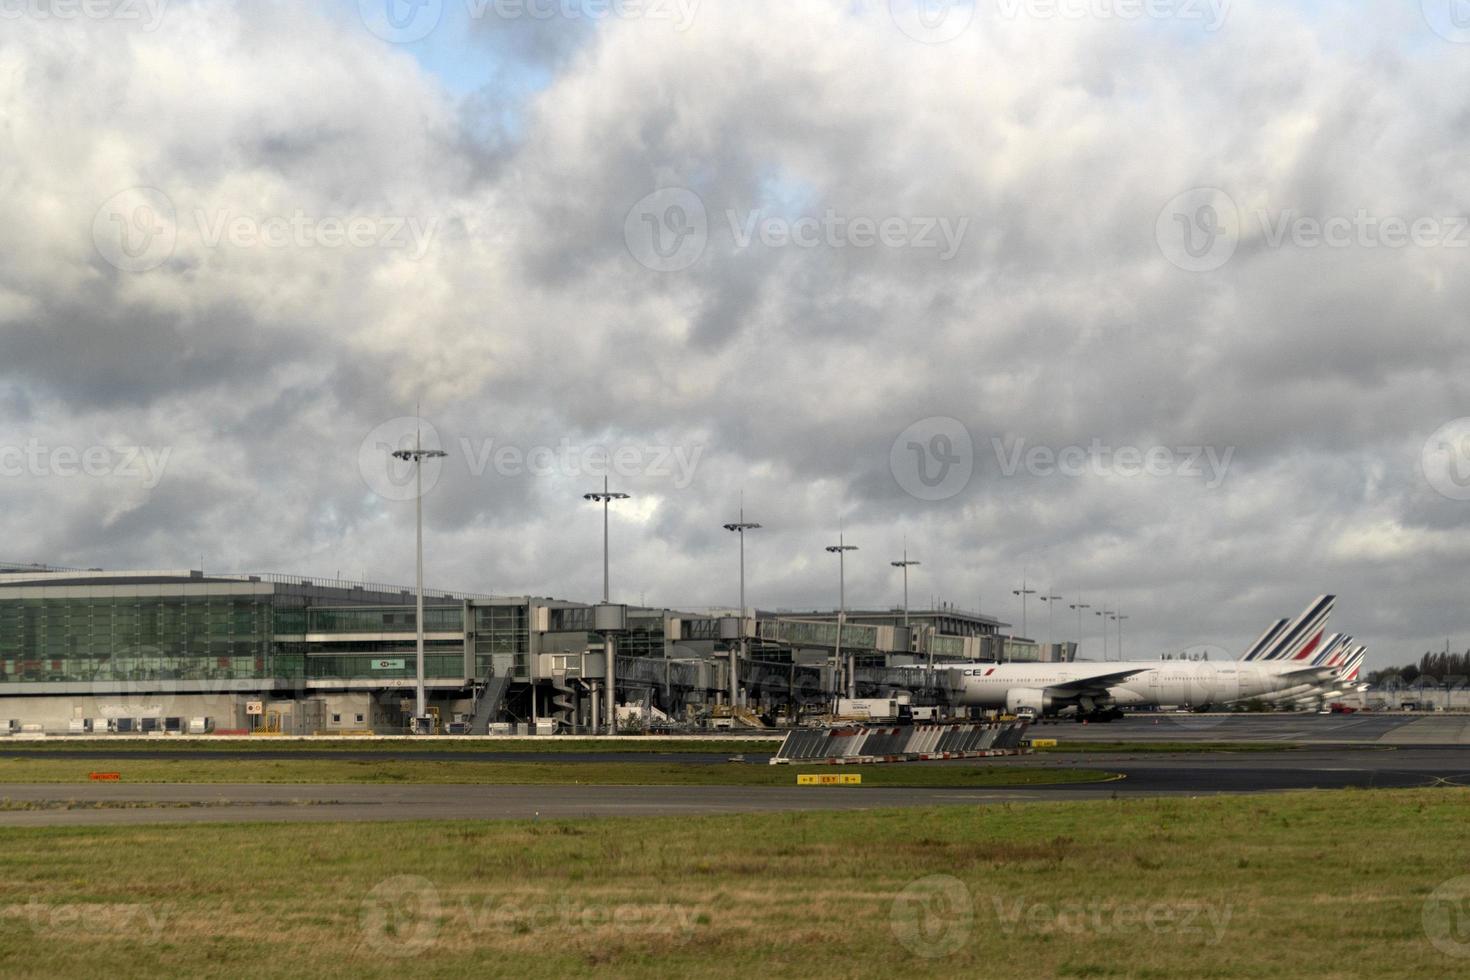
pixel 1100 715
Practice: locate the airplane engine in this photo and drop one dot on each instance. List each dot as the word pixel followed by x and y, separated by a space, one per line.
pixel 1028 697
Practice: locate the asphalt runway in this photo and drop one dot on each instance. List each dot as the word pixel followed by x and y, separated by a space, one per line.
pixel 369 755
pixel 1355 729
pixel 1297 728
pixel 1144 775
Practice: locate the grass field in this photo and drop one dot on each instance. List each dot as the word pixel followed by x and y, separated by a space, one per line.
pixel 1325 884
pixel 531 773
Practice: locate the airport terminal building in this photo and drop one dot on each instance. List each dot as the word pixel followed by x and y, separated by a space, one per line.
pixel 90 650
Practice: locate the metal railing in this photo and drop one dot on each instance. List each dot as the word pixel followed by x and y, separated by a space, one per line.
pixel 348 585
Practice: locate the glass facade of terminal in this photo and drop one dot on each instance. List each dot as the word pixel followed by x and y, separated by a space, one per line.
pixel 644 638
pixel 186 628
pixel 105 639
pixel 502 639
pixel 371 619
pixel 202 631
pixel 118 638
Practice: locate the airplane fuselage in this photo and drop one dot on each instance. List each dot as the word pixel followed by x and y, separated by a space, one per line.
pixel 1184 683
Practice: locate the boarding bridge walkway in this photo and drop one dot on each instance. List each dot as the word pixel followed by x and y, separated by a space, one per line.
pixel 859 638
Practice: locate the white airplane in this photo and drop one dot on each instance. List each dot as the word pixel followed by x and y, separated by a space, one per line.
pixel 1099 690
pixel 1334 653
pixel 1345 680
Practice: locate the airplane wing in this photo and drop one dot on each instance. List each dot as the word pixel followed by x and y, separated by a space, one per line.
pixel 1307 671
pixel 1097 682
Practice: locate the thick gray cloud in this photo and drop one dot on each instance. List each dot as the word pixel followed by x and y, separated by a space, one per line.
pixel 492 277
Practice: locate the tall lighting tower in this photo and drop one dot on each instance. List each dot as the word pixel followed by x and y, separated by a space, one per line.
pixel 840 549
pixel 1106 614
pixel 1118 618
pixel 1051 601
pixel 1079 606
pixel 1023 592
pixel 741 649
pixel 416 456
pixel 906 564
pixel 605 498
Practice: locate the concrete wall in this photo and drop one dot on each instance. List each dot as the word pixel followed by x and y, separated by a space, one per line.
pixel 55 714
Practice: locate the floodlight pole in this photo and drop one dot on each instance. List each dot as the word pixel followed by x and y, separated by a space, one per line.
pixel 740 649
pixel 1023 592
pixel 906 564
pixel 1105 613
pixel 1051 601
pixel 417 455
pixel 1079 606
pixel 840 549
pixel 1118 618
pixel 610 652
pixel 605 498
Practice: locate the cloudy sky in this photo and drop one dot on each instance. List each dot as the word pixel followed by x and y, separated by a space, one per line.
pixel 1158 304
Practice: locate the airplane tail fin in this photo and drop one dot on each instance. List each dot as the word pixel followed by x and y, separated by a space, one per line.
pixel 1300 639
pixel 1333 652
pixel 1264 641
pixel 1353 664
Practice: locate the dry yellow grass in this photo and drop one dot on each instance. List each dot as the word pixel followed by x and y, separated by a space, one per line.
pixel 1323 884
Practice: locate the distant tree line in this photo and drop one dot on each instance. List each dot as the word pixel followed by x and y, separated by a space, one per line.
pixel 1432 668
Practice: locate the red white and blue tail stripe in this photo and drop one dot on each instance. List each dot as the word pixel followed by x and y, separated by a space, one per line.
pixel 1301 639
pixel 1264 641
